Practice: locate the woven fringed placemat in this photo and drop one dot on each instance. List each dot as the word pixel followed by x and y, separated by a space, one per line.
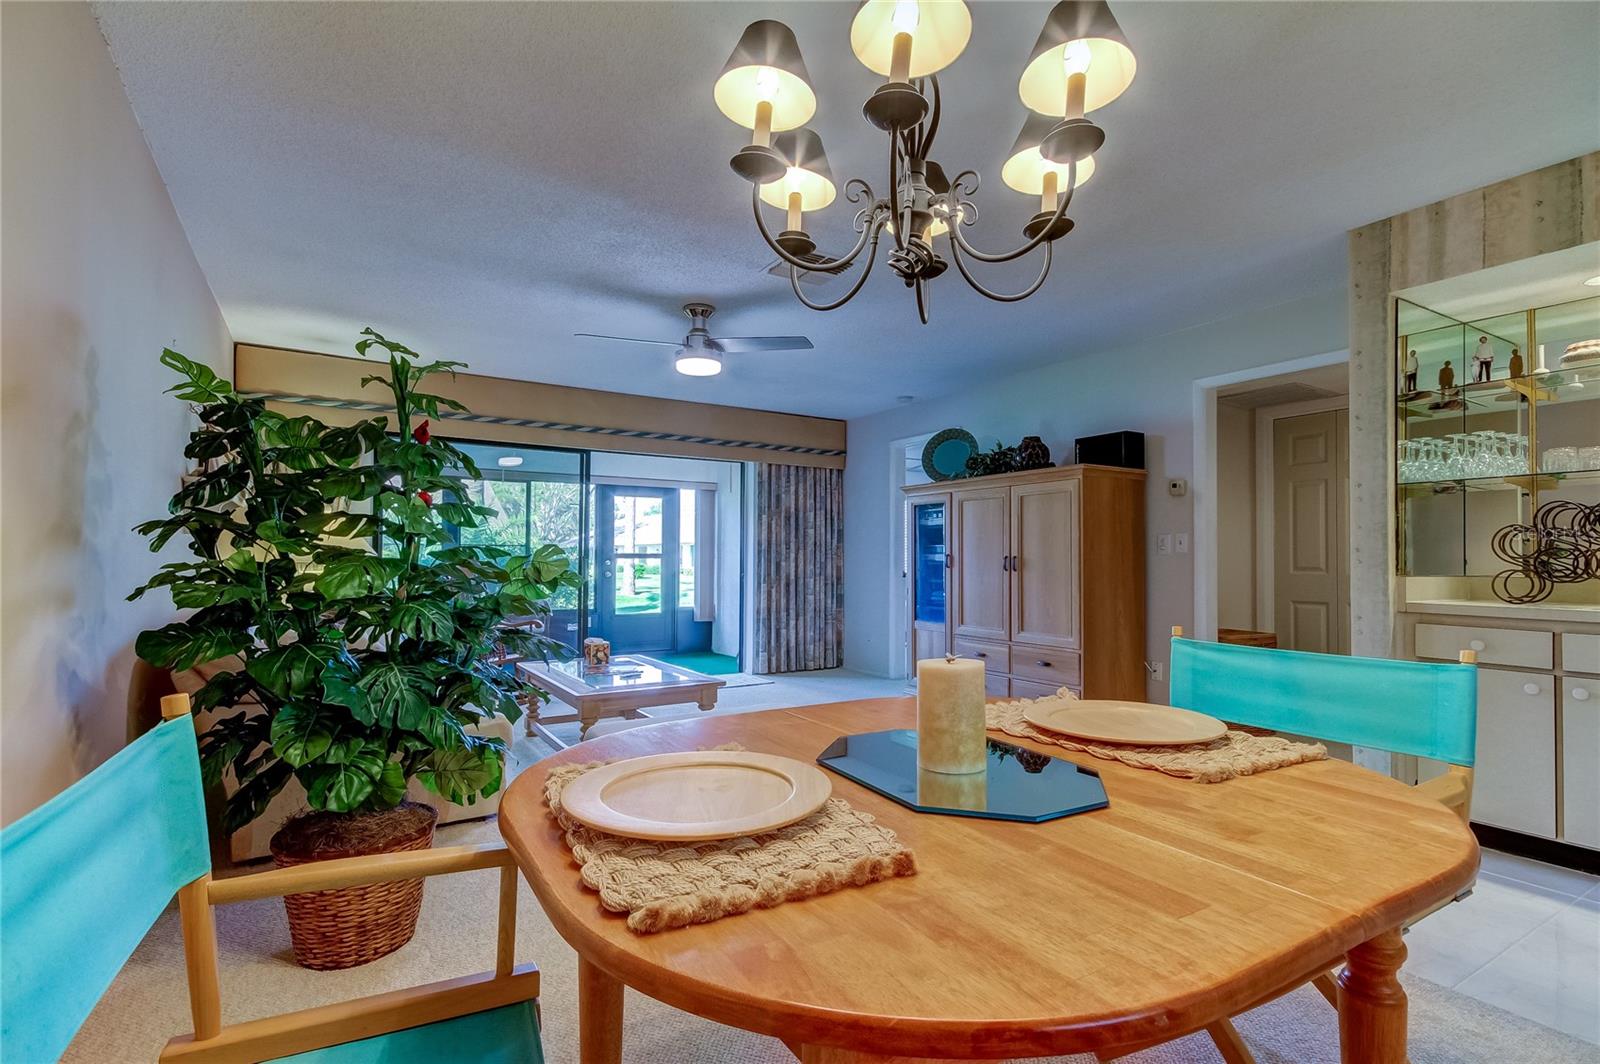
pixel 662 885
pixel 1239 753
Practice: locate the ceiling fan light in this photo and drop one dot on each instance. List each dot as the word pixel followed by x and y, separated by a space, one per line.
pixel 697 363
pixel 766 65
pixel 1080 36
pixel 809 173
pixel 939 30
pixel 1025 165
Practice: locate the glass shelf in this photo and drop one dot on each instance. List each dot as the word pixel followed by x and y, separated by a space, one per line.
pixel 1548 413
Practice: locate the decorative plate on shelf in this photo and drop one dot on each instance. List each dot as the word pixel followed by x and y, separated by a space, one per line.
pixel 696 796
pixel 1136 723
pixel 945 455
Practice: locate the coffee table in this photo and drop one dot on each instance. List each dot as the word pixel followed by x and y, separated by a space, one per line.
pixel 629 684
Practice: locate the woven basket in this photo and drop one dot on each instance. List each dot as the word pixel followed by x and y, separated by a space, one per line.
pixel 333 929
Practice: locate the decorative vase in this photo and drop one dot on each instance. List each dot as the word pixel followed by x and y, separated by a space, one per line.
pixel 1032 453
pixel 351 926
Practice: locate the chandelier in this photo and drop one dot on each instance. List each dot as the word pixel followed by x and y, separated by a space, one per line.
pixel 1080 63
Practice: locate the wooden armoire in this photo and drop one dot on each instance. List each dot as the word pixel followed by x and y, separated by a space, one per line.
pixel 1040 574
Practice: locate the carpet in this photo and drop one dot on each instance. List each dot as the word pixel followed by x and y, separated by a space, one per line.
pixel 701 661
pixel 147 1003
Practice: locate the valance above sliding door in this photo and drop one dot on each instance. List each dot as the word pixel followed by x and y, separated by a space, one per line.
pixel 799 580
pixel 546 415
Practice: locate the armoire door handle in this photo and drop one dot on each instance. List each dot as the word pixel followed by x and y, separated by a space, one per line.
pixel 1042 664
pixel 1005 563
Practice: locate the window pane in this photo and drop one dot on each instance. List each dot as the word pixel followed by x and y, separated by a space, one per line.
pixel 638 585
pixel 688 549
pixel 508 526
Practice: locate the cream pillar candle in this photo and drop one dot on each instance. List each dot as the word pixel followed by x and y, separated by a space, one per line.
pixel 950 732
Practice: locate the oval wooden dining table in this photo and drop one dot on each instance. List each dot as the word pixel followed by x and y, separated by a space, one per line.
pixel 1177 906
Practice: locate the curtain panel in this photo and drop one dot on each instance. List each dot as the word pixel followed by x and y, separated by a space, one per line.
pixel 799 556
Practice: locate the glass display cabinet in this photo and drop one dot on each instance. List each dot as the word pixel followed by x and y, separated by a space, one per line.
pixel 1495 418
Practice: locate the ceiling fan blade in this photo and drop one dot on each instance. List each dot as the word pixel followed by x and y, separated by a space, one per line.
pixel 632 339
pixel 738 345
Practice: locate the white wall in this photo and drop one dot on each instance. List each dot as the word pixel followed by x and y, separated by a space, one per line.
pixel 1236 518
pixel 97 277
pixel 1145 387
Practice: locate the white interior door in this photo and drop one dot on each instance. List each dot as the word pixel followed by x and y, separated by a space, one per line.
pixel 1311 537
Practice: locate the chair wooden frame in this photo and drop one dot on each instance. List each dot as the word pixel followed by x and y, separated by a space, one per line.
pixel 1453 790
pixel 345 1021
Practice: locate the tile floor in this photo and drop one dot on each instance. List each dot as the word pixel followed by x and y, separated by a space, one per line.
pixel 1526 940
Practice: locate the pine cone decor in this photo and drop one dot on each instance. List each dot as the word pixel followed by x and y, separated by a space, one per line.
pixel 1032 453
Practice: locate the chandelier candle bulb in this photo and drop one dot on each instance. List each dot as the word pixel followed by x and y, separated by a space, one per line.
pixel 1077 89
pixel 900 60
pixel 1047 197
pixel 794 211
pixel 950 726
pixel 763 127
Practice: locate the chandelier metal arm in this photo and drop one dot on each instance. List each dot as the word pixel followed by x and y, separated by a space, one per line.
pixel 953 204
pixel 861 278
pixel 854 195
pixel 1000 297
pixel 899 229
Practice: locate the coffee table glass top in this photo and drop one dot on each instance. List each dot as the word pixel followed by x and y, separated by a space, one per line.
pixel 1017 783
pixel 624 671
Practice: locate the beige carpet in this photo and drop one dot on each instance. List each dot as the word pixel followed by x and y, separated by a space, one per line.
pixel 147 1003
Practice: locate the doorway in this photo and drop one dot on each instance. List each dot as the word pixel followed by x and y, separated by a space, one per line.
pixel 1271 505
pixel 637 550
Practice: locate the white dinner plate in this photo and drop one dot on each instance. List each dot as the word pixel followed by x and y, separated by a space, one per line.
pixel 1134 723
pixel 696 795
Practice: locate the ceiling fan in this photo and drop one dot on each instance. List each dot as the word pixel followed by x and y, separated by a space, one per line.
pixel 700 354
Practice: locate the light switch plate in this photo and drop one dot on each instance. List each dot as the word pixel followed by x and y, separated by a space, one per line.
pixel 1180 542
pixel 1164 543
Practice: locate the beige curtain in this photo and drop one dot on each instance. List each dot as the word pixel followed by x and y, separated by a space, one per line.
pixel 799 557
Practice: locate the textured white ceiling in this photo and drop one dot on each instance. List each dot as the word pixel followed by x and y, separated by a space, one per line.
pixel 483 180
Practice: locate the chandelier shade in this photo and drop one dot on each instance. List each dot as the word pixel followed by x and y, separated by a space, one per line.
pixel 808 174
pixel 1079 37
pixel 1025 166
pixel 939 30
pixel 766 67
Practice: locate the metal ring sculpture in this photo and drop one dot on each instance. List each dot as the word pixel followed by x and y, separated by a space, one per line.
pixel 1560 546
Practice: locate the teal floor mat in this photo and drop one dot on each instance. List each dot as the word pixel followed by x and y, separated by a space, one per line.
pixel 701 661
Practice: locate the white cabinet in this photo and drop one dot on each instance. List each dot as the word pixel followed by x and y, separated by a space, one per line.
pixel 1580 653
pixel 1515 781
pixel 1580 760
pixel 1494 646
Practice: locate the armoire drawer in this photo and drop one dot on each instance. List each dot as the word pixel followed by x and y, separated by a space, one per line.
pixel 996 657
pixel 1495 646
pixel 1046 665
pixel 1580 653
pixel 1030 689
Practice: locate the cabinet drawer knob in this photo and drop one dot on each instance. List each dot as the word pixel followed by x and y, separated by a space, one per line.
pixel 1476 644
pixel 1530 688
pixel 1042 664
pixel 1580 694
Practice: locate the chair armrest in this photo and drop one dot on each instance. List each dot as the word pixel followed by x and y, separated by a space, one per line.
pixel 1452 790
pixel 352 871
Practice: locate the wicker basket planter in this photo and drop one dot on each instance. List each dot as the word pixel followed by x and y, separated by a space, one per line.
pixel 343 928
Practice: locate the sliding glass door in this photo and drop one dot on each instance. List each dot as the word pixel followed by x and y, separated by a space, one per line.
pixel 636 600
pixel 538 496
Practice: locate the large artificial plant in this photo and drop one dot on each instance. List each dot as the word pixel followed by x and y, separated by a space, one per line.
pixel 357 669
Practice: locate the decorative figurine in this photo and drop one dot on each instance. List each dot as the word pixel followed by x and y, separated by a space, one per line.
pixel 1516 364
pixel 1411 371
pixel 1447 377
pixel 1482 361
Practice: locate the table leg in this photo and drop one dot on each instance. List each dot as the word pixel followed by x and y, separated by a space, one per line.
pixel 1372 1004
pixel 599 1016
pixel 708 700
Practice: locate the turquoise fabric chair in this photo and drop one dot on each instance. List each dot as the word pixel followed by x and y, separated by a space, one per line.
pixel 84 876
pixel 1406 707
